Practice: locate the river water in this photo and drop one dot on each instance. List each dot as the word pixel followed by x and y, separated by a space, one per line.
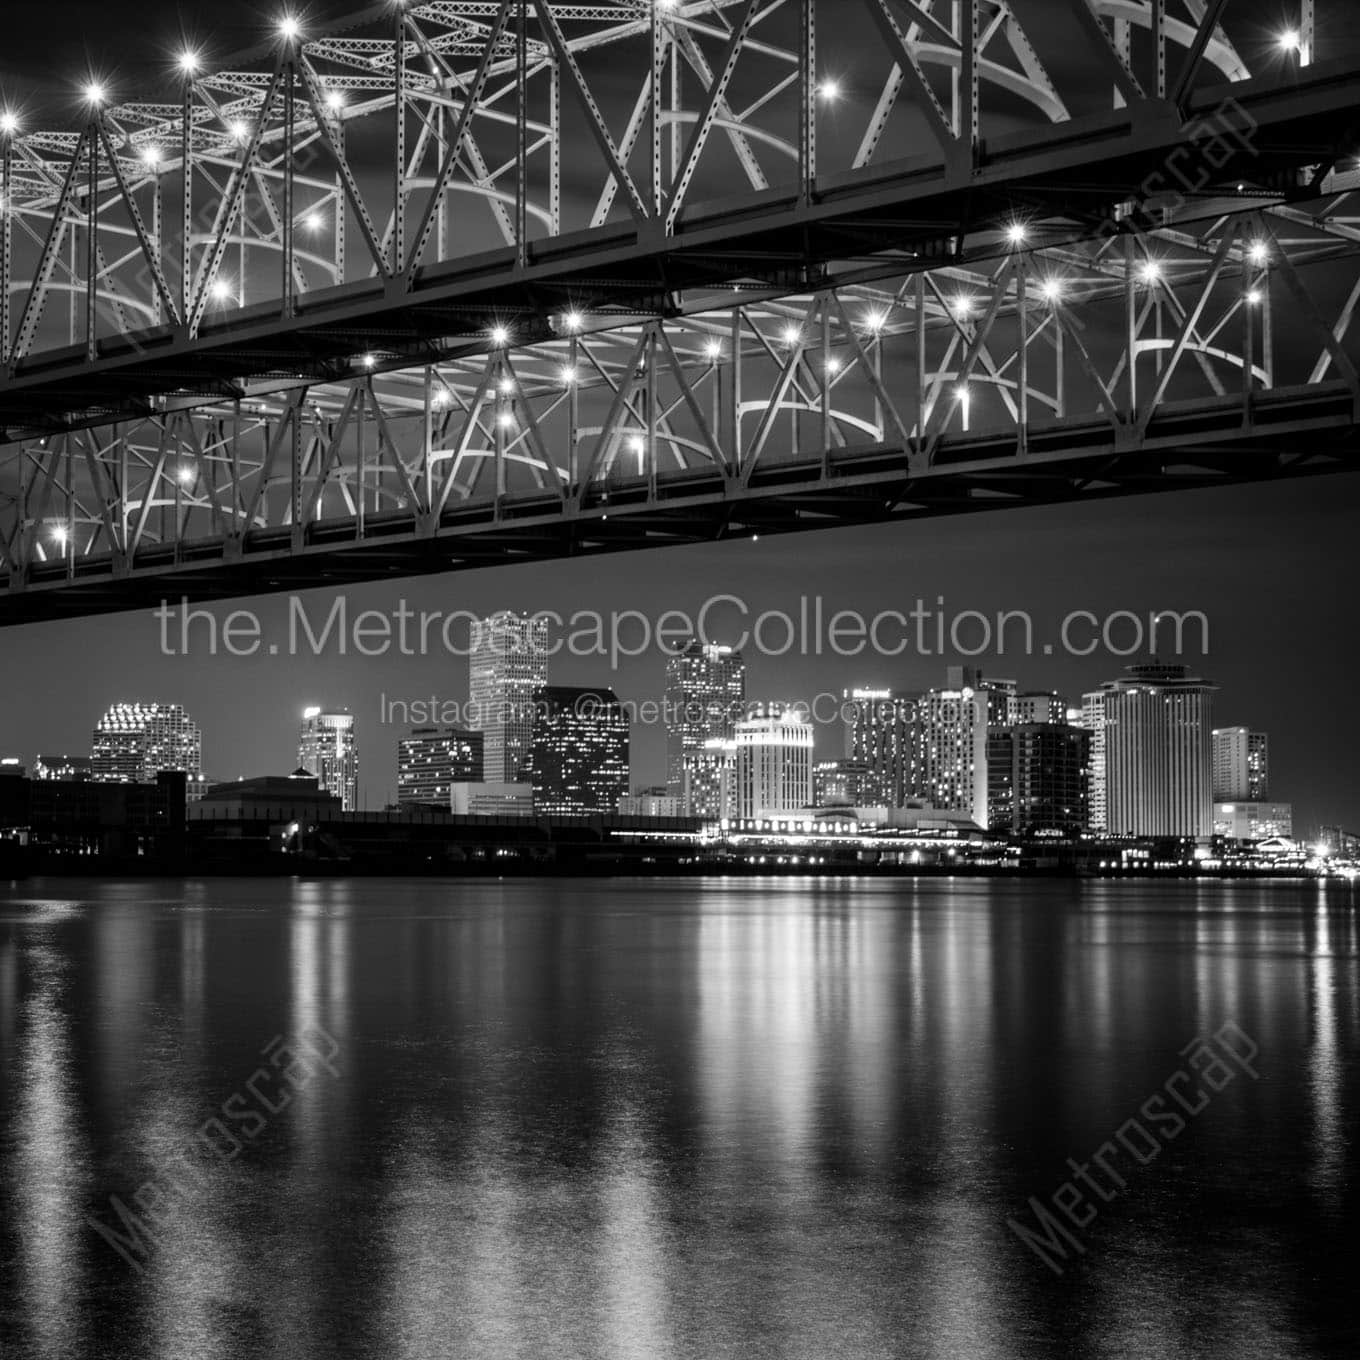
pixel 677 1118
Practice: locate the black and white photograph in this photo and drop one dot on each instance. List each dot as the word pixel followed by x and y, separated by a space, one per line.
pixel 678 680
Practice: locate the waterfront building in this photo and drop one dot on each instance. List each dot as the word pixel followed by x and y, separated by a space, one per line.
pixel 1241 765
pixel 133 742
pixel 656 802
pixel 1092 718
pixel 70 768
pixel 844 783
pixel 774 762
pixel 432 759
pixel 1039 706
pixel 578 762
pixel 710 787
pixel 1158 752
pixel 705 692
pixel 879 730
pixel 479 798
pixel 1252 821
pixel 950 760
pixel 507 666
pixel 327 748
pixel 1037 778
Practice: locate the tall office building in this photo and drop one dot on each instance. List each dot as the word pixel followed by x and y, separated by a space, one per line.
pixel 507 666
pixel 842 783
pixel 1241 765
pixel 950 763
pixel 1159 752
pixel 705 691
pixel 1093 720
pixel 1039 706
pixel 134 742
pixel 774 762
pixel 578 758
pixel 711 780
pixel 1037 778
pixel 75 769
pixel 327 749
pixel 433 759
pixel 879 725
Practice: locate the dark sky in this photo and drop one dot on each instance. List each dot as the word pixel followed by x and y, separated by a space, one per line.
pixel 1271 566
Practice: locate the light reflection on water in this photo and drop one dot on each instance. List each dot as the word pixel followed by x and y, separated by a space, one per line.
pixel 673 1119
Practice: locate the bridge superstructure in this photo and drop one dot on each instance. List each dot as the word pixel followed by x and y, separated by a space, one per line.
pixel 468 282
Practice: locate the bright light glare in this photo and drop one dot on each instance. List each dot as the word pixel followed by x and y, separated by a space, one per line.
pixel 289 27
pixel 1254 297
pixel 59 533
pixel 573 321
pixel 567 375
pixel 499 335
pixel 238 130
pixel 1258 252
pixel 1052 290
pixel 8 122
pixel 440 398
pixel 506 420
pixel 94 93
pixel 186 474
pixel 962 307
pixel 188 62
pixel 506 386
pixel 1017 234
pixel 713 349
pixel 1290 40
pixel 1150 272
pixel 829 90
pixel 833 365
pixel 792 335
pixel 312 222
pixel 151 155
pixel 221 289
pixel 369 361
pixel 335 100
pixel 875 321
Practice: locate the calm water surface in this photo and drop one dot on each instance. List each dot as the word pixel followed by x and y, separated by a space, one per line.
pixel 663 1119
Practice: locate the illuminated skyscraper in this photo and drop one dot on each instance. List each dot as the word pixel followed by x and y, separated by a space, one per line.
pixel 1039 706
pixel 134 742
pixel 841 783
pixel 1093 720
pixel 774 762
pixel 950 762
pixel 879 728
pixel 578 761
pixel 507 666
pixel 711 780
pixel 1037 778
pixel 1241 765
pixel 1159 753
pixel 432 759
pixel 705 691
pixel 327 749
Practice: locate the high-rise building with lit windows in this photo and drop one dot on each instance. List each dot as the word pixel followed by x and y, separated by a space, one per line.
pixel 508 665
pixel 327 748
pixel 774 762
pixel 879 726
pixel 705 691
pixel 1092 718
pixel 1037 778
pixel 433 759
pixel 950 759
pixel 1159 752
pixel 134 742
pixel 578 759
pixel 1241 765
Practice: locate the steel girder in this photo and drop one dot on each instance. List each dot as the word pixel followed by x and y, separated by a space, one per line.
pixel 398 186
pixel 1055 372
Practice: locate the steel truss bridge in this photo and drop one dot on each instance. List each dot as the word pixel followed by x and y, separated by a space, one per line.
pixel 466 282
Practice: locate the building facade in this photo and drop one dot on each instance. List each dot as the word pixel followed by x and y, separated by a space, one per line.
pixel 134 742
pixel 842 783
pixel 774 762
pixel 327 748
pixel 950 762
pixel 578 762
pixel 63 767
pixel 1253 821
pixel 507 666
pixel 1093 720
pixel 711 780
pixel 1037 779
pixel 1241 765
pixel 879 731
pixel 1157 724
pixel 432 759
pixel 1040 706
pixel 705 694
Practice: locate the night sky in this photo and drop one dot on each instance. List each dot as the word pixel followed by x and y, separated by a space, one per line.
pixel 1272 567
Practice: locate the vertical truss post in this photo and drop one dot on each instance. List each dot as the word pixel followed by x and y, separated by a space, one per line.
pixel 1131 326
pixel 157 230
pixel 295 473
pixel 286 226
pixel 573 421
pixel 522 135
pixel 1307 31
pixel 398 140
pixel 921 363
pixel 92 246
pixel 186 185
pixel 1159 44
pixel 650 451
pixel 554 149
pixel 734 400
pixel 1022 343
pixel 1248 358
pixel 972 85
pixel 655 127
pixel 6 239
pixel 360 462
pixel 426 520
pixel 825 305
pixel 807 127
